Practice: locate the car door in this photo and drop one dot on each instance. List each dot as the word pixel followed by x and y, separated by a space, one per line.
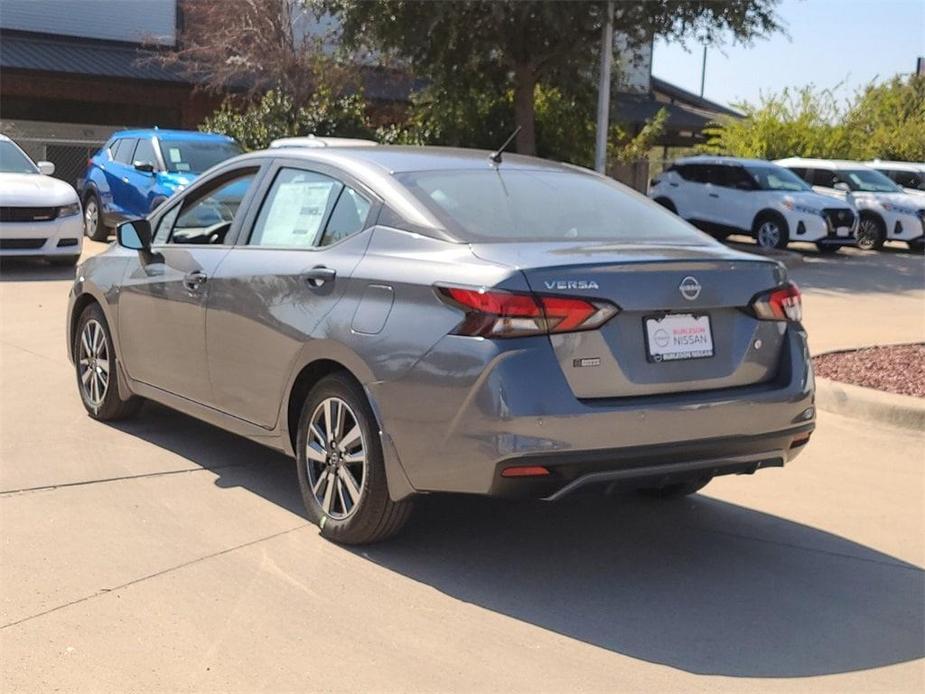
pixel 714 196
pixel 278 288
pixel 693 191
pixel 139 182
pixel 739 197
pixel 117 178
pixel 162 304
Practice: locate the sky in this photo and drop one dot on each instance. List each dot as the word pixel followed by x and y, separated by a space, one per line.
pixel 831 42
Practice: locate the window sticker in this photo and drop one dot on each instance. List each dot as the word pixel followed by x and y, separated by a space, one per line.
pixel 175 155
pixel 296 213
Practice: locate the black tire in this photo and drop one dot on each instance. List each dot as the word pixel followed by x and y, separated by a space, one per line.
pixel 63 260
pixel 374 516
pixel 677 490
pixel 917 246
pixel 96 230
pixel 667 204
pixel 827 248
pixel 871 233
pixel 110 406
pixel 765 237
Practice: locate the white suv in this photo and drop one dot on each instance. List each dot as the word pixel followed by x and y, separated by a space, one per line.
pixel 887 212
pixel 908 175
pixel 723 196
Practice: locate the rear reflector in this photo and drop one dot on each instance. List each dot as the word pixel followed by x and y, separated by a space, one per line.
pixel 783 303
pixel 800 440
pixel 495 313
pixel 525 471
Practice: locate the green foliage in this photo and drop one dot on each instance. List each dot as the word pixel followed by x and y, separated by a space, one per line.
pixel 884 121
pixel 519 46
pixel 564 124
pixel 887 121
pixel 255 124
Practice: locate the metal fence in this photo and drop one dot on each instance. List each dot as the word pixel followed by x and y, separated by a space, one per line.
pixel 68 155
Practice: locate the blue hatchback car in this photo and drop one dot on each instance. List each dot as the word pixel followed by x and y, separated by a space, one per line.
pixel 136 170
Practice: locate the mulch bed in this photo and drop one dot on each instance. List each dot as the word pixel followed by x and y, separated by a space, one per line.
pixel 895 369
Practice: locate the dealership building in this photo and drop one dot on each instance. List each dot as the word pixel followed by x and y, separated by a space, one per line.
pixel 75 71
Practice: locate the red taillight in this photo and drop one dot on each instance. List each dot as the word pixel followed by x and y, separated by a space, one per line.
pixel 783 303
pixel 493 313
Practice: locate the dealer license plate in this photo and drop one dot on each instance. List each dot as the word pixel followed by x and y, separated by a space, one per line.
pixel 678 336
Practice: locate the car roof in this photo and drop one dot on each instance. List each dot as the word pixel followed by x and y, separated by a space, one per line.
pixel 403 159
pixel 822 163
pixel 721 161
pixel 314 141
pixel 897 165
pixel 173 134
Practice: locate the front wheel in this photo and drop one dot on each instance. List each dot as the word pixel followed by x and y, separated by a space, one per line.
pixel 917 246
pixel 341 469
pixel 871 234
pixel 772 232
pixel 93 218
pixel 827 248
pixel 96 363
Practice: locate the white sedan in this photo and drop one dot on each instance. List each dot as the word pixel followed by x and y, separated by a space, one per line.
pixel 39 215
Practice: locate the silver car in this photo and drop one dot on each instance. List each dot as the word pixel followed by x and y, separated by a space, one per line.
pixel 414 320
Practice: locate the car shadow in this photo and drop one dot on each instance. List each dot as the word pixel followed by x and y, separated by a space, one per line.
pixel 699 584
pixel 33 270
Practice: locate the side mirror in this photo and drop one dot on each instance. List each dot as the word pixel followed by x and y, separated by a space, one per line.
pixel 843 187
pixel 46 168
pixel 144 166
pixel 134 235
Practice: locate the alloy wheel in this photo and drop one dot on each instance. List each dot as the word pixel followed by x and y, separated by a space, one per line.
pixel 868 233
pixel 335 458
pixel 91 216
pixel 94 363
pixel 769 235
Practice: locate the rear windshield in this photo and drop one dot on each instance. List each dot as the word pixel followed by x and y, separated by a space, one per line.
pixel 517 205
pixel 195 156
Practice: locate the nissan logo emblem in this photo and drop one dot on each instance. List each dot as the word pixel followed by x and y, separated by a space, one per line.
pixel 689 288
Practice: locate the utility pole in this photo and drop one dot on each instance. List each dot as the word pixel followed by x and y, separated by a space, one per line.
pixel 703 70
pixel 603 92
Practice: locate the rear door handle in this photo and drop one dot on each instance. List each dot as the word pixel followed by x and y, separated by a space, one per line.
pixel 317 276
pixel 714 195
pixel 194 280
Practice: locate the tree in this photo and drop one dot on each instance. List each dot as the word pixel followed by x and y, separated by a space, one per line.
pixel 885 121
pixel 275 115
pixel 248 47
pixel 518 45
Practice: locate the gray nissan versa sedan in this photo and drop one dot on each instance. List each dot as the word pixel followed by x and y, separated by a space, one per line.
pixel 413 320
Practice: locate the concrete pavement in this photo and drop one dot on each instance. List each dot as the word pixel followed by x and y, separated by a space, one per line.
pixel 164 554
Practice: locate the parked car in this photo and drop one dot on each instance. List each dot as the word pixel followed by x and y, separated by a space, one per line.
pixel 136 170
pixel 412 320
pixel 908 175
pixel 39 215
pixel 887 213
pixel 313 141
pixel 725 195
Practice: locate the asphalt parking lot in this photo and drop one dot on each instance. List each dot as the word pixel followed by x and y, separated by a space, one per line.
pixel 165 554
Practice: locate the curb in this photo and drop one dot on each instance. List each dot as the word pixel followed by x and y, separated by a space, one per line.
pixel 790 259
pixel 873 405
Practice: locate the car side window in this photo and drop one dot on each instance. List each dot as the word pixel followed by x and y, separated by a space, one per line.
pixel 144 153
pixel 124 150
pixel 696 172
pixel 207 216
pixel 295 209
pixel 825 178
pixel 738 178
pixel 906 179
pixel 348 217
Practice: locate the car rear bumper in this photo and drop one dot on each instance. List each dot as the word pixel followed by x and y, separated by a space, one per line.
pixel 472 408
pixel 59 237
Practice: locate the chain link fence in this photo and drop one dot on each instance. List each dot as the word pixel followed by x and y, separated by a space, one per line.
pixel 68 155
